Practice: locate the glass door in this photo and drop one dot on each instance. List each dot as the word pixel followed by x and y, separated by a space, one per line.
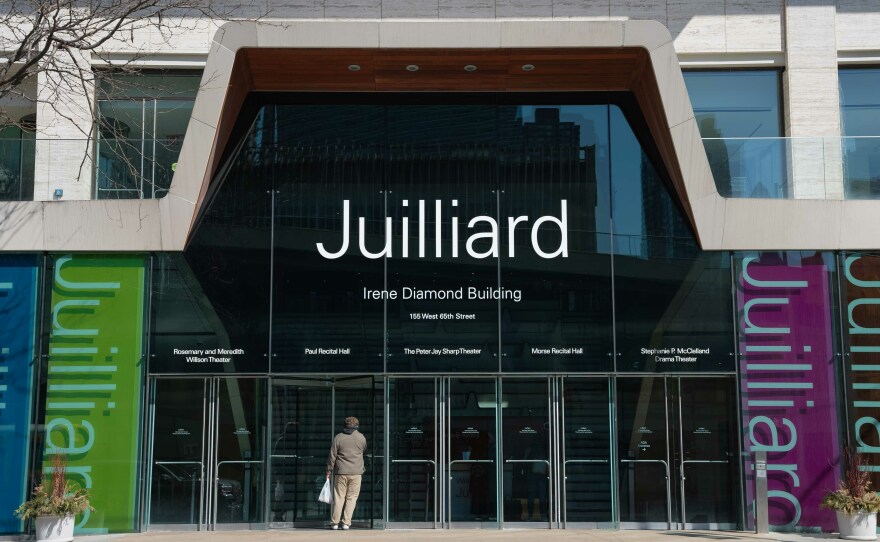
pixel 178 468
pixel 239 459
pixel 306 415
pixel 706 453
pixel 302 425
pixel 527 434
pixel 677 445
pixel 643 450
pixel 207 456
pixel 587 481
pixel 470 452
pixel 413 450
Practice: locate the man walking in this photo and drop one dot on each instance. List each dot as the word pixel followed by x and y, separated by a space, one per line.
pixel 346 459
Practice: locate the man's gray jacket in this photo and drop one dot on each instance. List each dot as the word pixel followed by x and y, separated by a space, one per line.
pixel 347 453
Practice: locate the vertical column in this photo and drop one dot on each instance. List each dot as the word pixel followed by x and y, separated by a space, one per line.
pixel 812 99
pixel 64 150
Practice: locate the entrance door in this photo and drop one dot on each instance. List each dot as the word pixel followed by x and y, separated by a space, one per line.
pixel 414 434
pixel 528 441
pixel 587 494
pixel 676 444
pixel 539 457
pixel 306 415
pixel 207 455
pixel 471 450
pixel 442 459
pixel 706 453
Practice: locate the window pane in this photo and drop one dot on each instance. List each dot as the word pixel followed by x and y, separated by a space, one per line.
pixel 672 300
pixel 324 156
pixel 746 105
pixel 554 156
pixel 859 102
pixel 859 120
pixel 735 103
pixel 443 156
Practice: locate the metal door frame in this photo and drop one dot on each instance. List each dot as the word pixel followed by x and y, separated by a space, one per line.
pixel 436 462
pixel 446 454
pixel 204 497
pixel 326 383
pixel 563 460
pixel 215 461
pixel 209 464
pixel 675 469
pixel 651 525
pixel 553 455
pixel 682 520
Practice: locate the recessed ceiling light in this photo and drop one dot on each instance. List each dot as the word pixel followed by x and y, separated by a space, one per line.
pixel 470 68
pixel 412 68
pixel 528 67
pixel 354 67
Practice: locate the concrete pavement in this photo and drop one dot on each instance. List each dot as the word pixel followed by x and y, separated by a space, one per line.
pixel 524 535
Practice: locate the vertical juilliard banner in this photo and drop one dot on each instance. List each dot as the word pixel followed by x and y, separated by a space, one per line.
pixel 18 302
pixel 788 385
pixel 861 325
pixel 93 390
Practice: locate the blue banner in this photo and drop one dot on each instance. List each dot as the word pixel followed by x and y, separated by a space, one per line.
pixel 18 302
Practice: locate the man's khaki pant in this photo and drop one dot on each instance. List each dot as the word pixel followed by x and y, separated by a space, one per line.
pixel 346 488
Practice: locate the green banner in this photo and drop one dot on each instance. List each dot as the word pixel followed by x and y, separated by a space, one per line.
pixel 93 390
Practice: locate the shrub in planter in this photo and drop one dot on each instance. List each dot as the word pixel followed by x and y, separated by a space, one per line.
pixel 856 505
pixel 54 503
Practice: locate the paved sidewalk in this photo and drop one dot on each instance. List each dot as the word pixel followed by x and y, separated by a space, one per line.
pixel 524 535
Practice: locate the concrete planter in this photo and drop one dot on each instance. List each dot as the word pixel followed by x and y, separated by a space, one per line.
pixel 55 528
pixel 861 526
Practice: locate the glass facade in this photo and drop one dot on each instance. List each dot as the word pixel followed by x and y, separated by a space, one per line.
pixel 506 295
pixel 739 114
pixel 141 122
pixel 859 122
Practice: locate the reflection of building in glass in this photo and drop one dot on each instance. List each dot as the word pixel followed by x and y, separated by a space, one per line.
pixel 553 164
pixel 666 235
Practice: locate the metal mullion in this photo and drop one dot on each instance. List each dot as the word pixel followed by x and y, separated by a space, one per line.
pixel 563 486
pixel 680 432
pixel 668 457
pixel 215 444
pixel 551 451
pixel 267 453
pixel 206 470
pixel 153 157
pixel 556 433
pixel 438 470
pixel 613 452
pixel 386 461
pixel 151 432
pixel 444 450
pixel 499 453
pixel 143 147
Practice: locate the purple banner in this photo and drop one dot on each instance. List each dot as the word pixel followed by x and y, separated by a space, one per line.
pixel 788 385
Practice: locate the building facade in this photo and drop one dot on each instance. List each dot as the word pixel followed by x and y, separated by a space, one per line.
pixel 571 264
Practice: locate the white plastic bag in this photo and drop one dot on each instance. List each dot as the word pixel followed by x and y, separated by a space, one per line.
pixel 325 495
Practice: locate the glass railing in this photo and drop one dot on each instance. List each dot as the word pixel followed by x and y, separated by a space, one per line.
pixel 104 168
pixel 796 167
pixel 861 166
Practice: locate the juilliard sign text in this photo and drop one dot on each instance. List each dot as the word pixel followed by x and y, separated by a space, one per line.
pixel 487 227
